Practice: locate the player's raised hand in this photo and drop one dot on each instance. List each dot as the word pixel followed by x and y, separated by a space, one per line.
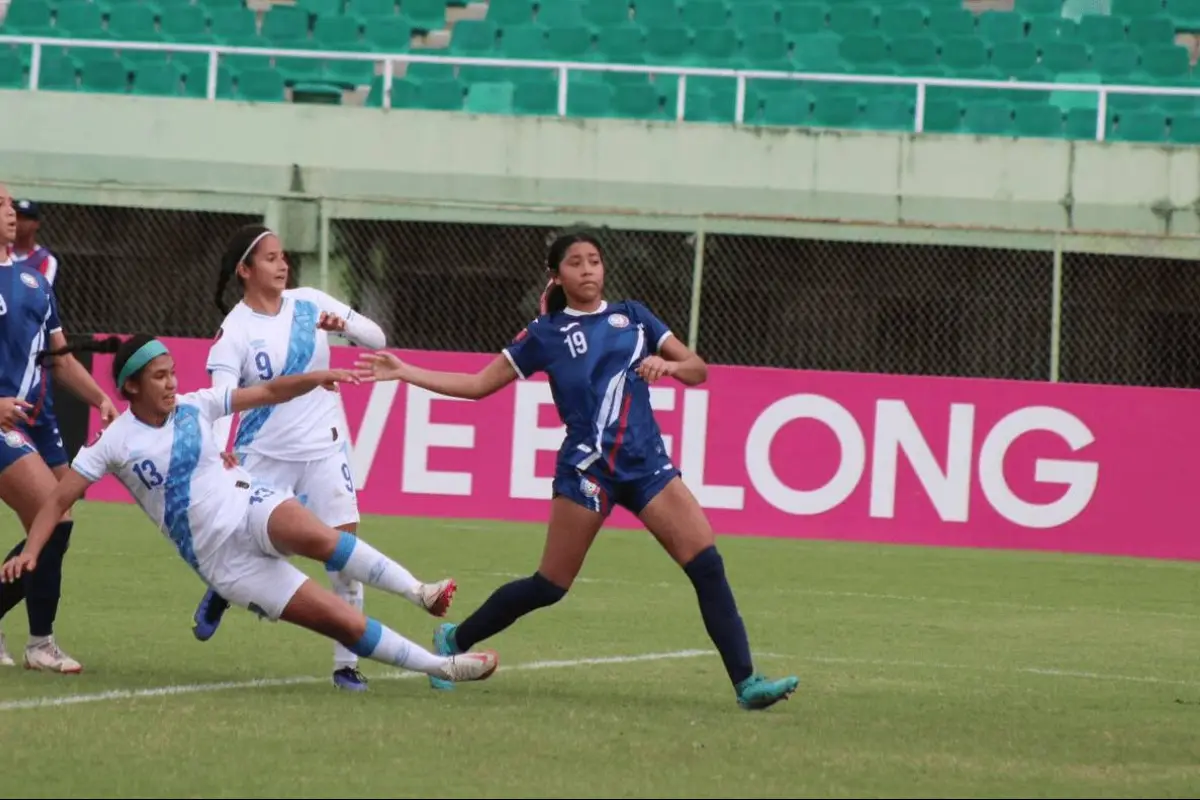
pixel 331 322
pixel 653 368
pixel 13 412
pixel 380 366
pixel 17 566
pixel 330 378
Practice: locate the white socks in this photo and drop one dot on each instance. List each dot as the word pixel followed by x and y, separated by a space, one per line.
pixel 381 643
pixel 361 562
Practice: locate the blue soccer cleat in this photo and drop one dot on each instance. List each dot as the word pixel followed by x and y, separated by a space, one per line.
pixel 350 679
pixel 208 615
pixel 443 645
pixel 756 692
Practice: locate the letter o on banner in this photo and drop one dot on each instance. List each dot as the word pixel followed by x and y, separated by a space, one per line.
pixel 850 467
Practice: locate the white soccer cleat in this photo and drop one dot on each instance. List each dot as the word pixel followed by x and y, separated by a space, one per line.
pixel 471 666
pixel 48 657
pixel 436 597
pixel 5 659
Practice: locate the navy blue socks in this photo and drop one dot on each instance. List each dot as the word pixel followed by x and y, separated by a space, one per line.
pixel 506 605
pixel 719 610
pixel 43 586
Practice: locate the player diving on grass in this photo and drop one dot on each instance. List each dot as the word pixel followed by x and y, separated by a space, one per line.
pixel 601 359
pixel 233 530
pixel 30 447
pixel 300 445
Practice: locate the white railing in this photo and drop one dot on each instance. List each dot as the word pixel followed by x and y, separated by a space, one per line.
pixel 562 68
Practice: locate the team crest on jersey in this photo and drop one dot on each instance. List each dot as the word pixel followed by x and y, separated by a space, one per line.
pixel 588 487
pixel 29 280
pixel 14 439
pixel 618 321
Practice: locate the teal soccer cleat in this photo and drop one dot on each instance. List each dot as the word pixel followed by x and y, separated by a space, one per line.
pixel 756 692
pixel 443 645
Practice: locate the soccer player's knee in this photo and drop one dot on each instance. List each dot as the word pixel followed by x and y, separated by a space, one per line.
pixel 546 593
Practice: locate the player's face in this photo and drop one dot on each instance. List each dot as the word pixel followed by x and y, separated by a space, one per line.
pixel 581 273
pixel 156 385
pixel 8 217
pixel 270 270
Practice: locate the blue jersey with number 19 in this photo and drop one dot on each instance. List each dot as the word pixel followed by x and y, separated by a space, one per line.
pixel 590 359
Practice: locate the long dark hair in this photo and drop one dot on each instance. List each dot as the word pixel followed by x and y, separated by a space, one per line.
pixel 237 250
pixel 124 349
pixel 554 297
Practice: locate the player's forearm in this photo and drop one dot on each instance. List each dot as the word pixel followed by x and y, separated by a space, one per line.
pixel 692 371
pixel 75 377
pixel 450 384
pixel 289 387
pixel 365 332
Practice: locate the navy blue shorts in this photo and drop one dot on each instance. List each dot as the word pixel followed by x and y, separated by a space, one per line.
pixel 599 491
pixel 14 445
pixel 46 438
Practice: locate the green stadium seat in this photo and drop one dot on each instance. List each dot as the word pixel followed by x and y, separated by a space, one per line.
pixel 560 14
pixel 12 71
pixel 705 14
pixel 1116 62
pixel 286 26
pixel 1134 9
pixel 427 15
pixel 588 99
pixel 1066 57
pixel 753 15
pixel 1038 119
pixel 916 55
pixel 524 41
pixel 900 21
pixel 295 70
pixel 950 22
pixel 942 115
pixel 1101 29
pixel 235 26
pixel 339 33
pixel 964 55
pixel 802 20
pixel 1045 30
pixel 321 8
pixel 80 19
pixel 1165 63
pixel 666 45
pixel 136 22
pixel 888 113
pixel 263 85
pixel 105 76
pixel 991 117
pixel 787 108
pixel 835 110
pixel 624 43
pixel 371 9
pixel 818 53
pixel 388 34
pixel 1185 129
pixel 1039 8
pixel 1185 13
pixel 536 98
pixel 510 12
pixel 1158 30
pixel 715 47
pixel 573 43
pixel 604 13
pixel 489 98
pixel 656 13
pixel 1139 126
pixel 766 50
pixel 1001 26
pixel 852 19
pixel 428 71
pixel 638 101
pixel 58 73
pixel 473 37
pixel 1080 124
pixel 184 24
pixel 864 52
pixel 161 79
pixel 29 18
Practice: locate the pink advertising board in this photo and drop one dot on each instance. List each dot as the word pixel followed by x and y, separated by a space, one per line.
pixel 820 455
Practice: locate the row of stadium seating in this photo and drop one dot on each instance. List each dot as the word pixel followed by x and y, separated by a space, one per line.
pixel 928 38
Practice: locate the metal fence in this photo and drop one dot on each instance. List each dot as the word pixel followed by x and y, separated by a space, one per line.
pixel 814 303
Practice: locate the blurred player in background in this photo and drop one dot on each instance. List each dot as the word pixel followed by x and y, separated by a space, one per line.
pixel 28 324
pixel 300 445
pixel 601 359
pixel 234 531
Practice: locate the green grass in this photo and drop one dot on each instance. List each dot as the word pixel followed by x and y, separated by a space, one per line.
pixel 924 672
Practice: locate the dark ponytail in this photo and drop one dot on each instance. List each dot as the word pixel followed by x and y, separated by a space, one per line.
pixel 238 250
pixel 554 297
pixel 109 344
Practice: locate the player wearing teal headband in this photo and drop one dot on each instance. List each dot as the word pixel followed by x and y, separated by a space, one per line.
pixel 234 531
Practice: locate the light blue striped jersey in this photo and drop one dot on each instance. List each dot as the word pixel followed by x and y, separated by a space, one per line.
pixel 175 472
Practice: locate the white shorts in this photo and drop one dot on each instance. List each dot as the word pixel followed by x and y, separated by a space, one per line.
pixel 325 486
pixel 246 569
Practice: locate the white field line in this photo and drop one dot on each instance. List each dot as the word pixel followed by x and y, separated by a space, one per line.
pixel 264 683
pixel 896 598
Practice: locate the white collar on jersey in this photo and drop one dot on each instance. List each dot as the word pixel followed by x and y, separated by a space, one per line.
pixel 574 312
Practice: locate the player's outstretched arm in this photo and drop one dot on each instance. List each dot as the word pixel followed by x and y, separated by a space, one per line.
pixel 384 366
pixel 75 377
pixel 280 390
pixel 66 494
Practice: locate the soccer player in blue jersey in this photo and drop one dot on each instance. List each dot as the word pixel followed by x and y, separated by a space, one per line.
pixel 601 359
pixel 28 324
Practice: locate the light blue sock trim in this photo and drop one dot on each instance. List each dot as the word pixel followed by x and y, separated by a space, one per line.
pixel 341 554
pixel 365 646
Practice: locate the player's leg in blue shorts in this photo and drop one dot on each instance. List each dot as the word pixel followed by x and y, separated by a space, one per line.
pixel 48 440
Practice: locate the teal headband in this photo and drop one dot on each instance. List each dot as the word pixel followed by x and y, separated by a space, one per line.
pixel 140 358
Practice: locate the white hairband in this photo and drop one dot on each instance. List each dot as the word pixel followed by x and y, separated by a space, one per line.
pixel 254 244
